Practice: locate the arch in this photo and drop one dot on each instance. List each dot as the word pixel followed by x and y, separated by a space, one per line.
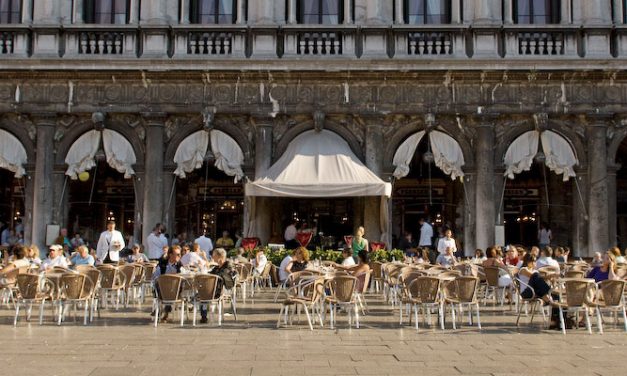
pixel 556 126
pixel 82 127
pixel 330 125
pixel 12 154
pixel 403 133
pixel 20 131
pixel 614 146
pixel 193 126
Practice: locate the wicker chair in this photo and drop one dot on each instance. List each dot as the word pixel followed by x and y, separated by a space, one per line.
pixel 377 276
pixel 612 293
pixel 534 301
pixel 342 294
pixel 94 275
pixel 206 286
pixel 111 280
pixel 465 289
pixel 74 289
pixel 169 288
pixel 307 293
pixel 129 271
pixel 425 291
pixel 575 274
pixel 363 280
pixel 492 274
pixel 406 298
pixel 146 279
pixel 391 280
pixel 31 291
pixel 576 298
pixel 263 278
pixel 84 268
pixel 8 287
pixel 244 280
pixel 292 280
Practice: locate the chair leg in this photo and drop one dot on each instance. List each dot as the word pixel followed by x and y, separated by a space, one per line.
pixel 599 320
pixel 86 313
pixel 441 313
pixel 308 317
pixel 562 325
pixel 182 312
pixel 41 312
pixel 453 315
pixel 478 316
pixel 624 318
pixel 195 308
pixel 156 313
pixel 278 322
pixel 416 315
pixel 400 315
pixel 17 312
pixel 220 313
pixel 60 313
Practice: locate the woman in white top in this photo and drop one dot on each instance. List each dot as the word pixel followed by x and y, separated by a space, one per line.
pixel 33 255
pixel 479 257
pixel 195 257
pixel 347 255
pixel 259 262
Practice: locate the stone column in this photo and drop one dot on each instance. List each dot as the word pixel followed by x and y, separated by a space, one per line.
pixel 374 161
pixel 597 40
pixel 469 212
pixel 169 200
pixel 60 208
pixel 456 12
pixel 27 11
pixel 348 12
pixel 598 209
pixel 157 15
pixel 619 12
pixel 487 18
pixel 508 12
pixel 184 12
pixel 134 12
pixel 28 205
pixel 612 198
pixel 263 161
pixel 153 172
pixel 579 232
pixel 565 12
pixel 398 12
pixel 484 184
pixel 291 12
pixel 488 12
pixel 240 10
pixel 261 12
pixel 43 188
pixel 138 217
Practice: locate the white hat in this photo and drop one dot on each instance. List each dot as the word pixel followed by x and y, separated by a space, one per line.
pixel 55 247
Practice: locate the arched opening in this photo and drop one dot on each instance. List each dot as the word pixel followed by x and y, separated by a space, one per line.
pixel 538 189
pixel 100 185
pixel 427 192
pixel 208 200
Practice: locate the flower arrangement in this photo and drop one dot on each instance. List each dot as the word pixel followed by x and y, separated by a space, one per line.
pixel 277 255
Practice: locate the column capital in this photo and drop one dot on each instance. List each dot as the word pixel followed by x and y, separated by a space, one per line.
pixel 154 119
pixel 599 119
pixel 262 121
pixel 485 119
pixel 44 118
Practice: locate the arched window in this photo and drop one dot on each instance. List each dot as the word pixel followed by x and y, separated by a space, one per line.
pixel 10 11
pixel 325 12
pixel 106 11
pixel 427 12
pixel 536 11
pixel 213 11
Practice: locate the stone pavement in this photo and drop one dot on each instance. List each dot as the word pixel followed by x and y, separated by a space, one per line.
pixel 124 343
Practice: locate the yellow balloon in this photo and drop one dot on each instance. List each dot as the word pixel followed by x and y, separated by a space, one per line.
pixel 83 176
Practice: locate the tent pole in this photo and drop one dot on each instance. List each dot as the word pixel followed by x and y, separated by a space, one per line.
pixel 93 184
pixel 583 205
pixel 62 195
pixel 498 217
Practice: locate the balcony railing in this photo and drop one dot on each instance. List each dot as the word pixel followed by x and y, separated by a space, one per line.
pixel 314 41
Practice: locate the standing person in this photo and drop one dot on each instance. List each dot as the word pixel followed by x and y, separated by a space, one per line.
pixel 77 241
pixel 290 235
pixel 426 238
pixel 156 241
pixel 544 236
pixel 447 242
pixel 109 245
pixel 359 242
pixel 205 243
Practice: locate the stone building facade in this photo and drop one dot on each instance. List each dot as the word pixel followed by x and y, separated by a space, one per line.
pixel 373 71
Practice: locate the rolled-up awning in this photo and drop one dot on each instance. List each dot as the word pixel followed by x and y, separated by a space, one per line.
pixel 559 154
pixel 12 154
pixel 118 151
pixel 318 164
pixel 190 154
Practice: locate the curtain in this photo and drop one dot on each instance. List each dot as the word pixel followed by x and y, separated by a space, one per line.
pixel 81 155
pixel 12 154
pixel 560 157
pixel 520 154
pixel 405 153
pixel 228 154
pixel 119 152
pixel 190 154
pixel 447 153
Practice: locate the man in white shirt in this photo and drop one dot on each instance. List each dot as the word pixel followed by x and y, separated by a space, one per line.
pixel 283 274
pixel 205 243
pixel 110 244
pixel 290 236
pixel 426 234
pixel 55 258
pixel 347 255
pixel 155 242
pixel 193 258
pixel 546 259
pixel 447 242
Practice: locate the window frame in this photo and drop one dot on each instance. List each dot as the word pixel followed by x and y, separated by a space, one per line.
pixel 551 19
pixel 425 15
pixel 300 15
pixel 89 12
pixel 195 17
pixel 12 13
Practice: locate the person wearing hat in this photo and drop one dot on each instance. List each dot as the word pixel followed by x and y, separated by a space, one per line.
pixel 110 244
pixel 55 258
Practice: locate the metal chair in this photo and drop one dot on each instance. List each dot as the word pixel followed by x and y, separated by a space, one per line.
pixel 168 290
pixel 465 294
pixel 307 293
pixel 32 291
pixel 342 294
pixel 611 292
pixel 75 289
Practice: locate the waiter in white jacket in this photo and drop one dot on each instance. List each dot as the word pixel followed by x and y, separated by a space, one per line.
pixel 110 244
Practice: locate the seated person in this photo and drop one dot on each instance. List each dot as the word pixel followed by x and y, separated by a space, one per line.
pixel 19 261
pixel 137 255
pixel 505 279
pixel 546 259
pixel 259 262
pixel 479 257
pixel 169 265
pixel 446 259
pixel 194 257
pixel 225 241
pixel 240 258
pixel 55 258
pixel 283 273
pixel 347 257
pixel 607 269
pixel 224 270
pixel 82 257
pixel 300 261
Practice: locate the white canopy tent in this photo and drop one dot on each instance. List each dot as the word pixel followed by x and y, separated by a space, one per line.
pixel 190 154
pixel 118 151
pixel 319 164
pixel 560 156
pixel 447 153
pixel 12 154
